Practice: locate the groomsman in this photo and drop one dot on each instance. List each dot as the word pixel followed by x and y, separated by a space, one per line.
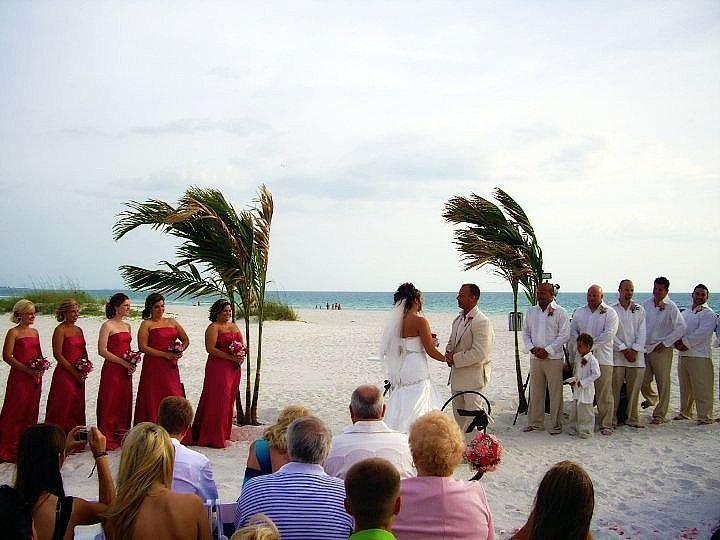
pixel 546 330
pixel 601 322
pixel 695 367
pixel 628 352
pixel 664 326
pixel 468 353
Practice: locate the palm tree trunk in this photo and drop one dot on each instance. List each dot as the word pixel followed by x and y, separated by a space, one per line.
pixel 258 363
pixel 522 402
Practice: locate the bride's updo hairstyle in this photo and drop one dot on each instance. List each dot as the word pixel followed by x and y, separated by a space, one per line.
pixel 150 301
pixel 407 292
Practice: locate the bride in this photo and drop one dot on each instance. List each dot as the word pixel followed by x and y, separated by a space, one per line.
pixel 405 345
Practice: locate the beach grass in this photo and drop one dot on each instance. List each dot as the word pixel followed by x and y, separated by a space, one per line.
pixel 46 301
pixel 275 310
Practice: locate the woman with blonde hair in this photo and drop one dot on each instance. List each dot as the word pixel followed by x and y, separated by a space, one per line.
pixel 259 527
pixel 23 354
pixel 66 400
pixel 145 507
pixel 434 504
pixel 564 505
pixel 268 454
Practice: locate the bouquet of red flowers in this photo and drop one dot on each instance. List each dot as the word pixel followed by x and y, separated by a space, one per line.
pixel 132 357
pixel 41 364
pixel 484 453
pixel 237 349
pixel 176 347
pixel 84 366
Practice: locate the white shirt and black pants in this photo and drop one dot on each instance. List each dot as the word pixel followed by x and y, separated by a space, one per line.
pixel 695 368
pixel 549 330
pixel 630 336
pixel 664 325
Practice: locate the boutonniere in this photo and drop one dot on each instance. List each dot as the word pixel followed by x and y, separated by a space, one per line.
pixel 633 307
pixel 602 310
pixel 698 309
pixel 550 311
pixel 468 320
pixel 583 362
pixel 661 307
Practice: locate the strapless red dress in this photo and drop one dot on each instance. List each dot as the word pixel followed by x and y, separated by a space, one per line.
pixel 159 378
pixel 114 403
pixel 22 399
pixel 213 418
pixel 66 400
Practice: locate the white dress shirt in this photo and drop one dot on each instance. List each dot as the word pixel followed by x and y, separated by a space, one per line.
pixel 367 439
pixel 193 473
pixel 700 324
pixel 584 389
pixel 549 329
pixel 602 325
pixel 630 334
pixel 663 324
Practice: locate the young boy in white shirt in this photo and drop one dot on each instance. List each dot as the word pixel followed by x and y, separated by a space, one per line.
pixel 587 369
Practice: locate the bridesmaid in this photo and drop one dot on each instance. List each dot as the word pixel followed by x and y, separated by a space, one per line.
pixel 24 384
pixel 66 400
pixel 213 419
pixel 160 376
pixel 114 403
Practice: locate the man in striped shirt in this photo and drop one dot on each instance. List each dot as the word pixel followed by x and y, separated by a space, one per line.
pixel 301 499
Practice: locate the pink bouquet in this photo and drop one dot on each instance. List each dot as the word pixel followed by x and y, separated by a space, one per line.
pixel 484 453
pixel 176 347
pixel 237 348
pixel 41 364
pixel 133 358
pixel 84 366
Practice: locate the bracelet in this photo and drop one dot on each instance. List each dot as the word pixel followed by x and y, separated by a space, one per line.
pixel 99 455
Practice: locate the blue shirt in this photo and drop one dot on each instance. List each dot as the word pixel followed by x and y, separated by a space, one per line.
pixel 301 499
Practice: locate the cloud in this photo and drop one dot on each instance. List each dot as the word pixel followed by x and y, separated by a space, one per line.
pixel 241 127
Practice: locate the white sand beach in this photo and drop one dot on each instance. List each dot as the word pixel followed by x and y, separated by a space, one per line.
pixel 659 482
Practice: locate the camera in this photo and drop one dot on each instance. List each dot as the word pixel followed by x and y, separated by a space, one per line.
pixel 82 434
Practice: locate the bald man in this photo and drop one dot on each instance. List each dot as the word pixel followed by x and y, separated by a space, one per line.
pixel 546 330
pixel 600 321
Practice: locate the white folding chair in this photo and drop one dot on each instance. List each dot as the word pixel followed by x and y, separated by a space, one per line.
pixel 88 532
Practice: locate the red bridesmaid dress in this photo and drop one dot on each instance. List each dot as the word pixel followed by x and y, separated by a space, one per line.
pixel 159 378
pixel 22 399
pixel 213 419
pixel 66 400
pixel 114 403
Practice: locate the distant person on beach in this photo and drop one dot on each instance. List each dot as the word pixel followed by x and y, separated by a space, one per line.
pixel 372 498
pixel 468 353
pixel 628 353
pixel 405 345
pixel 327 306
pixel 585 373
pixel 66 399
pixel 368 436
pixel 563 507
pixel 600 321
pixel 163 340
pixel 545 332
pixel 664 325
pixel 695 368
pixel 192 471
pixel 226 353
pixel 115 393
pixel 21 406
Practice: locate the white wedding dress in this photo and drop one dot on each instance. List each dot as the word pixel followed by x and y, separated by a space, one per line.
pixel 412 393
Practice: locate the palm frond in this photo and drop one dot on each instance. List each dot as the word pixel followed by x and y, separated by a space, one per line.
pixel 174 280
pixel 151 212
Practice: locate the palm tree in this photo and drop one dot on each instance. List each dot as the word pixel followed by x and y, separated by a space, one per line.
pixel 222 253
pixel 505 241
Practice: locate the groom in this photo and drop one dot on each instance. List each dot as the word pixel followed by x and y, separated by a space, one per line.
pixel 468 353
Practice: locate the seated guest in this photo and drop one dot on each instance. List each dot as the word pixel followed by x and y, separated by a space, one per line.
pixel 372 497
pixel 563 505
pixel 39 492
pixel 192 472
pixel 434 504
pixel 145 507
pixel 259 527
pixel 268 454
pixel 301 499
pixel 368 436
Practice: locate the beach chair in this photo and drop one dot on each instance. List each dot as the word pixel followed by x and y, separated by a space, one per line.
pixel 226 518
pixel 88 532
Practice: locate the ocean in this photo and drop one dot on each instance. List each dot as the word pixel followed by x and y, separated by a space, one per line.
pixel 434 302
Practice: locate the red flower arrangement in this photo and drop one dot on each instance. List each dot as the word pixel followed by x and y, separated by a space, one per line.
pixel 176 347
pixel 238 350
pixel 583 362
pixel 132 357
pixel 484 454
pixel 41 364
pixel 84 366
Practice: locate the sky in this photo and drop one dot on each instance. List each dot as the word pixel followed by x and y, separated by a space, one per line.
pixel 602 119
